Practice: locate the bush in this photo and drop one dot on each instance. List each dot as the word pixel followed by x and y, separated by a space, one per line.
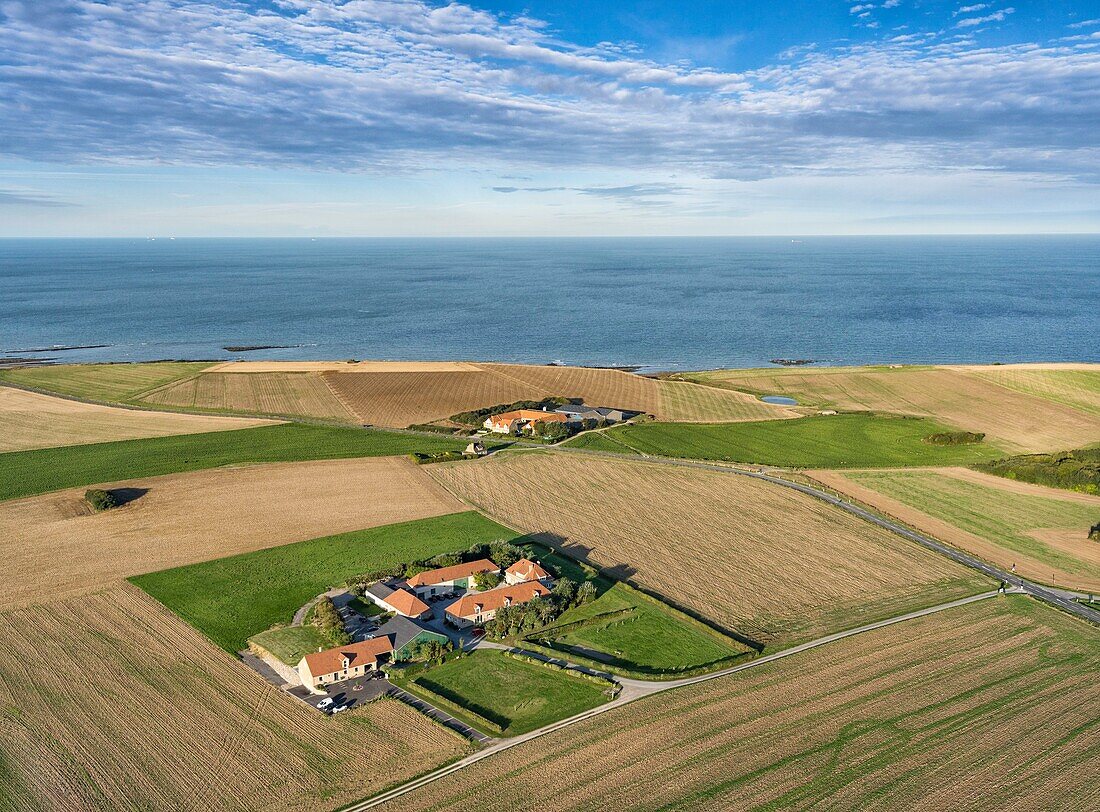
pixel 486 580
pixel 955 438
pixel 327 619
pixel 100 499
pixel 1094 533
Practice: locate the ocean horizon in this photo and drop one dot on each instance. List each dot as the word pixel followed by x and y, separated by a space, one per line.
pixel 661 303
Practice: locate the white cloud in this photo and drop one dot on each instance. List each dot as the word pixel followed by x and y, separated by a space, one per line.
pixel 970 9
pixel 995 17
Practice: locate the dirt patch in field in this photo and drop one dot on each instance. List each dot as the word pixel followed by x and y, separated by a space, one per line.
pixel 52 547
pixel 1015 486
pixel 1074 542
pixel 760 559
pixel 110 702
pixel 987 706
pixel 31 420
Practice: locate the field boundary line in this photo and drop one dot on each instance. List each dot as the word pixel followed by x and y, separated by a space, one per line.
pixel 644 689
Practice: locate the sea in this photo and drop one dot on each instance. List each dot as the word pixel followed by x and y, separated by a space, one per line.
pixel 651 303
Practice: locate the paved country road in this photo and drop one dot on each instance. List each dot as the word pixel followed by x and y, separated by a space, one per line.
pixel 636 689
pixel 1063 599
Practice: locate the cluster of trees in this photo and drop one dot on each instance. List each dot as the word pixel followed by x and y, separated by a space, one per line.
pixel 101 500
pixel 327 619
pixel 1077 470
pixel 955 438
pixel 430 651
pixel 501 552
pixel 527 617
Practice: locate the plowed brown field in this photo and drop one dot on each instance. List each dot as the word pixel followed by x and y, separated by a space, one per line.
pixel 110 702
pixel 987 706
pixel 1025 409
pixel 54 545
pixel 31 420
pixel 291 393
pixel 760 559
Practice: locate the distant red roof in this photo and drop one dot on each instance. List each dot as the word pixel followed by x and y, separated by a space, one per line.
pixel 527 570
pixel 406 603
pixel 490 601
pixel 331 661
pixel 444 574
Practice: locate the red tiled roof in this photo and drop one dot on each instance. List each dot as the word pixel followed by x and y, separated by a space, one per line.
pixel 528 570
pixel 529 414
pixel 451 573
pixel 332 660
pixel 490 601
pixel 406 603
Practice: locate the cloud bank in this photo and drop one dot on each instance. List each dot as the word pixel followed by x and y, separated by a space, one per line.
pixel 370 85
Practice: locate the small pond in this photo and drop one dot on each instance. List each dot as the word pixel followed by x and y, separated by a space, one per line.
pixel 779 400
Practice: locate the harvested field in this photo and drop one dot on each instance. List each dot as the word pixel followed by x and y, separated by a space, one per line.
pixel 54 544
pixel 118 383
pixel 1075 385
pixel 914 716
pixel 110 702
pixel 760 559
pixel 969 398
pixel 405 398
pixel 1042 531
pixel 344 366
pixel 291 393
pixel 32 420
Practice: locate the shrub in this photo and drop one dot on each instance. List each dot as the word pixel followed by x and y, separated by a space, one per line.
pixel 100 499
pixel 327 619
pixel 955 438
pixel 486 580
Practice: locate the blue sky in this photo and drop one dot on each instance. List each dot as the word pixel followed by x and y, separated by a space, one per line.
pixel 548 117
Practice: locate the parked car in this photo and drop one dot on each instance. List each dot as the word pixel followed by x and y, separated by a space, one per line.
pixel 340 708
pixel 325 703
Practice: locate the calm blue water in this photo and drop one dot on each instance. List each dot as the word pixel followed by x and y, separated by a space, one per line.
pixel 658 303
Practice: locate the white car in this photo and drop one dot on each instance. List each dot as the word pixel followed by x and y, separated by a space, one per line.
pixel 339 708
pixel 325 704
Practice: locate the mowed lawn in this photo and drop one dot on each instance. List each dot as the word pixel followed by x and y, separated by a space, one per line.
pixel 834 441
pixel 25 473
pixel 986 706
pixel 630 630
pixel 290 643
pixel 231 599
pixel 515 695
pixel 118 383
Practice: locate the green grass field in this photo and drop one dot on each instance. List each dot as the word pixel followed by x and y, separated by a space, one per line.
pixel 837 441
pixel 515 695
pixel 290 643
pixel 231 599
pixel 997 515
pixel 117 383
pixel 640 634
pixel 25 473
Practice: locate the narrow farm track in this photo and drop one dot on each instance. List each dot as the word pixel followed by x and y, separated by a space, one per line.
pixel 1061 599
pixel 636 689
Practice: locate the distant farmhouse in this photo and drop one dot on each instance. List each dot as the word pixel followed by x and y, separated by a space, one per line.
pixel 481 607
pixel 346 662
pixel 573 416
pixel 447 579
pixel 397 600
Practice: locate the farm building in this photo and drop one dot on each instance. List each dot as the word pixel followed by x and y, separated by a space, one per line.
pixel 406 636
pixel 345 662
pixel 578 414
pixel 524 419
pixel 480 607
pixel 448 579
pixel 475 449
pixel 398 600
pixel 526 570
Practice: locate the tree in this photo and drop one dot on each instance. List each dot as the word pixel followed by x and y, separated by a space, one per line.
pixel 100 499
pixel 486 580
pixel 565 592
pixel 586 592
pixel 550 430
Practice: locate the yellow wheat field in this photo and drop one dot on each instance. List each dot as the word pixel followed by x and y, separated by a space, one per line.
pixel 31 420
pixel 987 706
pixel 291 393
pixel 760 559
pixel 110 702
pixel 55 545
pixel 1024 409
